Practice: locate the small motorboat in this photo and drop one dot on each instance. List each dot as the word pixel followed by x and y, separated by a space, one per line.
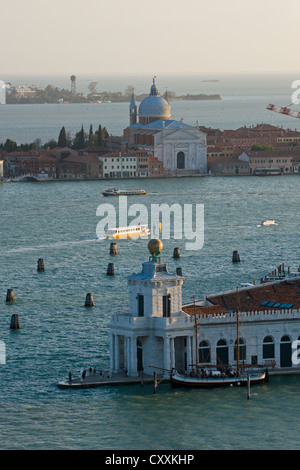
pixel 268 222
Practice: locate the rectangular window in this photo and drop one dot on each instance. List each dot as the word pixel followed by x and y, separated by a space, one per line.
pixel 167 305
pixel 140 305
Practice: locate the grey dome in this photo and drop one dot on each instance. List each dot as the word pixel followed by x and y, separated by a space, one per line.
pixel 154 105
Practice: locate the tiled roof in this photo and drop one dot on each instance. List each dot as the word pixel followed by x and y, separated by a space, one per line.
pixel 258 298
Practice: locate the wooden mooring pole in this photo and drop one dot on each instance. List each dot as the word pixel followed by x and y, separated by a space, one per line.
pixel 248 387
pixel 41 264
pixel 15 322
pixel 89 301
pixel 10 296
pixel 155 381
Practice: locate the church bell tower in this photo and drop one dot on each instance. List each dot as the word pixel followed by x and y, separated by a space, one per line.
pixel 132 110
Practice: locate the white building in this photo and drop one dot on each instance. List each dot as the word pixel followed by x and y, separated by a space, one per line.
pixel 159 331
pixel 1 169
pixel 119 165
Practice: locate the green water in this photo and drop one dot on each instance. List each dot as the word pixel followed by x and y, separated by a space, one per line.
pixel 57 222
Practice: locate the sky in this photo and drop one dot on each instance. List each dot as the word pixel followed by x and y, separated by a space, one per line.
pixel 155 36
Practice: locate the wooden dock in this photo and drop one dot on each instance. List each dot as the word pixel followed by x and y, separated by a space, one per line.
pixel 92 380
pixel 96 380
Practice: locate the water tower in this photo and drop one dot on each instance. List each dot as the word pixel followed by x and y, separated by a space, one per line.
pixel 73 84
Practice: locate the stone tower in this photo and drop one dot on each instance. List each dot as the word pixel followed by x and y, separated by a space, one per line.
pixel 154 332
pixel 132 110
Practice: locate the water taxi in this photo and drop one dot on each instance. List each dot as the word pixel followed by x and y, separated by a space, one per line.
pixel 123 192
pixel 128 232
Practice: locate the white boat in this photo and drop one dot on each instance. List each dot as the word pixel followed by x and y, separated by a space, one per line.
pixel 218 380
pixel 123 192
pixel 128 232
pixel 268 222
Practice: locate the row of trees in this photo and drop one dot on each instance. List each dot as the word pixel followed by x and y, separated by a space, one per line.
pixel 81 140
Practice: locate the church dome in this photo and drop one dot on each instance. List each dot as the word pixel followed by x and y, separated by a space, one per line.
pixel 154 107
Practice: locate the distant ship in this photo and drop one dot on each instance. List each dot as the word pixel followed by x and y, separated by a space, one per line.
pixel 123 192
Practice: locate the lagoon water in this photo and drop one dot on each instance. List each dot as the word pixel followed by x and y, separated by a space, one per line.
pixel 244 102
pixel 57 221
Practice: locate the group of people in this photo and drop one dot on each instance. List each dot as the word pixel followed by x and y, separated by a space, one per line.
pixel 83 374
pixel 204 373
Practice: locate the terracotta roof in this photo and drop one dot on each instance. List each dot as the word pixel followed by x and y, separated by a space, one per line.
pixel 279 293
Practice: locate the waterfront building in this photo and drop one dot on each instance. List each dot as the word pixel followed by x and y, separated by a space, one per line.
pixel 229 165
pixel 1 169
pixel 148 165
pixel 80 166
pixel 158 331
pixel 119 165
pixel 248 162
pixel 288 161
pixel 180 147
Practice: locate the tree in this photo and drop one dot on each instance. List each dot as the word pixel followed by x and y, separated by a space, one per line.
pixel 10 145
pixel 129 90
pixel 92 88
pixel 257 147
pixel 79 141
pixel 62 138
pixel 99 136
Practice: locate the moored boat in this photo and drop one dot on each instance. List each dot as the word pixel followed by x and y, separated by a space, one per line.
pixel 222 375
pixel 217 380
pixel 123 192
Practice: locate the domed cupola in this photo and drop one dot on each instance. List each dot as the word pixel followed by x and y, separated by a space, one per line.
pixel 154 107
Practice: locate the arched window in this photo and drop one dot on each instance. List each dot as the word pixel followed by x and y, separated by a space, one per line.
pixel 180 160
pixel 222 352
pixel 242 350
pixel 268 348
pixel 204 352
pixel 285 351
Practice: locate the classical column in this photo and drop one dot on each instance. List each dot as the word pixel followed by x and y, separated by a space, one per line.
pixel 117 353
pixel 172 347
pixel 128 361
pixel 112 354
pixel 188 353
pixel 133 357
pixel 167 356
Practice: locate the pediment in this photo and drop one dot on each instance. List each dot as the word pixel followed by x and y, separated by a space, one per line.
pixel 184 134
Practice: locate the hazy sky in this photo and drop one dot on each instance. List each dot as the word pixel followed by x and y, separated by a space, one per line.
pixel 155 36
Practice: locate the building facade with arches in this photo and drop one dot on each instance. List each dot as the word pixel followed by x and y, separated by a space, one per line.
pixel 158 331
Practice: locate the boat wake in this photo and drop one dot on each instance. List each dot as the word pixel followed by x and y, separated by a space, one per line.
pixel 54 245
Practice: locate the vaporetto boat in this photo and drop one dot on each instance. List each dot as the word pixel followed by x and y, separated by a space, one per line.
pixel 123 192
pixel 128 232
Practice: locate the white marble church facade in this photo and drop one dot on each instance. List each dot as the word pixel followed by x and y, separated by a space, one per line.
pixel 182 150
